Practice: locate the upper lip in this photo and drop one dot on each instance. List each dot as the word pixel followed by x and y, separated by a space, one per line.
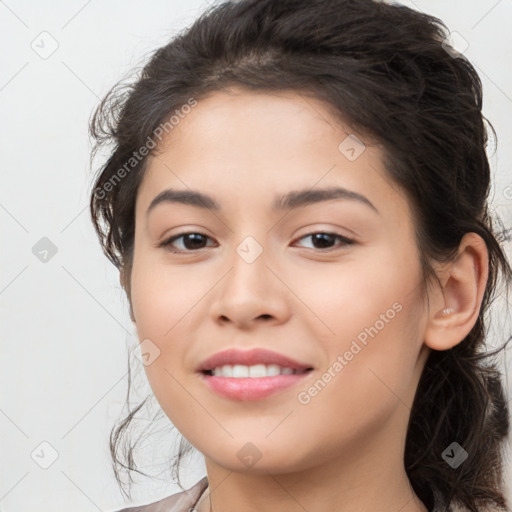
pixel 250 357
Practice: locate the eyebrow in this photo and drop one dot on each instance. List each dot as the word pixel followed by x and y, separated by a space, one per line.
pixel 291 200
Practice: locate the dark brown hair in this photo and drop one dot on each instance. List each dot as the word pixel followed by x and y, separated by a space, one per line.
pixel 387 73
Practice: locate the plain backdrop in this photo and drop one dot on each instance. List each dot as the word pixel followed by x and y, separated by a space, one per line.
pixel 64 321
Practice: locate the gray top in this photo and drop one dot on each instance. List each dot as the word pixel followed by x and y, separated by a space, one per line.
pixel 180 502
pixel 186 500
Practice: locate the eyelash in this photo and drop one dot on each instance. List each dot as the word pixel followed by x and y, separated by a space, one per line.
pixel 167 243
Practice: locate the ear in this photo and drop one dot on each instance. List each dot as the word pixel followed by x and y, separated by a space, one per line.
pixel 454 309
pixel 126 288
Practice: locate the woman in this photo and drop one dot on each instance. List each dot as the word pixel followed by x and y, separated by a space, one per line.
pixel 296 200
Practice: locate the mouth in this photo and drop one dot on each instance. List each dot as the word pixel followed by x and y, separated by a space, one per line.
pixel 256 371
pixel 253 387
pixel 251 374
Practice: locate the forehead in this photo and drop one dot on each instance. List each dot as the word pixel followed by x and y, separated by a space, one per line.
pixel 257 119
pixel 249 142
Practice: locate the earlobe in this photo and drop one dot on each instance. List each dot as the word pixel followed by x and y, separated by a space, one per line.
pixel 455 309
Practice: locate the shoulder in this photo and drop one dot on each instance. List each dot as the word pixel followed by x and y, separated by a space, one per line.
pixel 179 502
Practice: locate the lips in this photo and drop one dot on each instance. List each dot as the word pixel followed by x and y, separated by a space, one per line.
pixel 251 357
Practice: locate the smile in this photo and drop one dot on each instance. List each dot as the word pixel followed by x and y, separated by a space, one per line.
pixel 256 371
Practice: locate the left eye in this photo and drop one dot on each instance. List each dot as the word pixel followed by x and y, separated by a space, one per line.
pixel 324 239
pixel 193 241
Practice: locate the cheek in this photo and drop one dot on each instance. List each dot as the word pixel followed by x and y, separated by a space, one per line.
pixel 162 296
pixel 162 305
pixel 369 373
pixel 370 328
pixel 375 287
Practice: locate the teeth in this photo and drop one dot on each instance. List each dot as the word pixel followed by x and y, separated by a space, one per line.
pixel 258 370
pixel 239 371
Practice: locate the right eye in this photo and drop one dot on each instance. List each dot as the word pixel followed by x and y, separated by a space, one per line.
pixel 192 241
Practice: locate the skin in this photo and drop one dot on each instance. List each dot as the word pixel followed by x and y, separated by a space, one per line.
pixel 342 451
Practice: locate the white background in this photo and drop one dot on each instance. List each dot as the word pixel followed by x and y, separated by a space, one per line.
pixel 64 323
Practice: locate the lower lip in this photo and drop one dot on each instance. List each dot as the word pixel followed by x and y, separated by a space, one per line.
pixel 251 388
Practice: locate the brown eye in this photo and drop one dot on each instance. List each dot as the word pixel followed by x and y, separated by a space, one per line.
pixel 323 240
pixel 190 241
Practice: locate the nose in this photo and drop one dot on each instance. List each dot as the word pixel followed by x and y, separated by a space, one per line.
pixel 250 294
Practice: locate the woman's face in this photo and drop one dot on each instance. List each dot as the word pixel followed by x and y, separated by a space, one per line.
pixel 332 282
